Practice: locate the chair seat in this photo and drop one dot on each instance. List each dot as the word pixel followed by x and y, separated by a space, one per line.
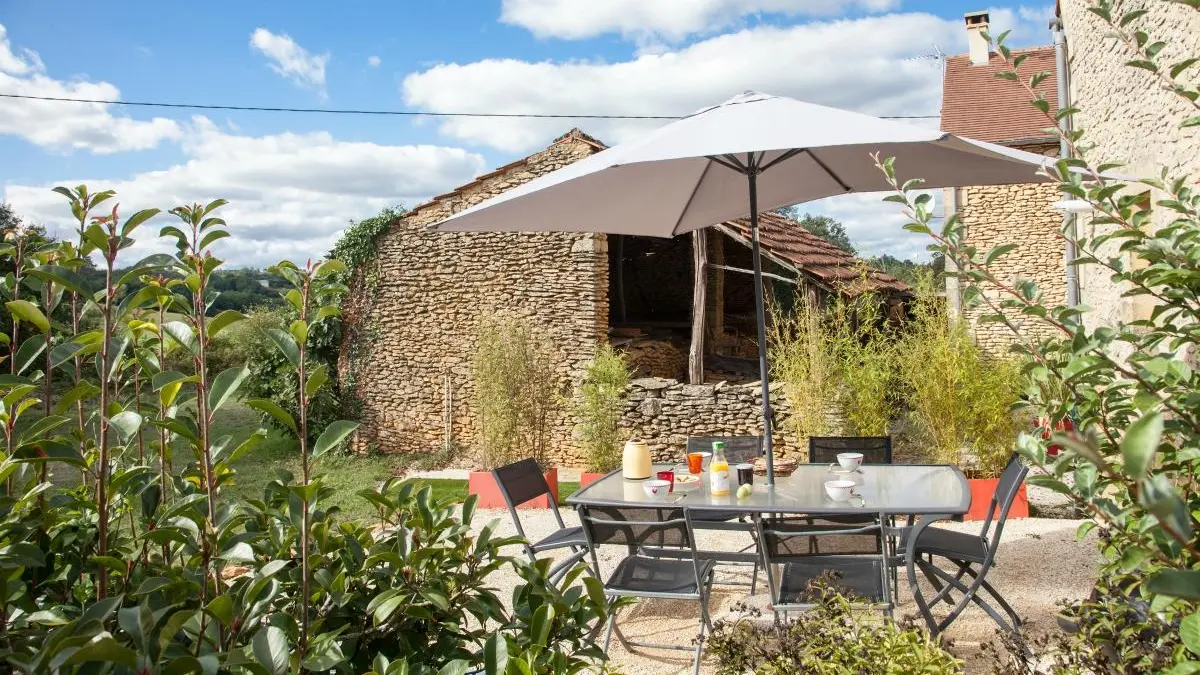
pixel 949 544
pixel 862 576
pixel 567 536
pixel 643 574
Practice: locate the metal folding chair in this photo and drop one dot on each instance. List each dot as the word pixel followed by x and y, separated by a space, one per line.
pixel 875 450
pixel 522 481
pixel 825 449
pixel 972 555
pixel 738 450
pixel 643 576
pixel 852 552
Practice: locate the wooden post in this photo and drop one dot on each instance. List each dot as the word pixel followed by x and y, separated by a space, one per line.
pixel 620 281
pixel 699 291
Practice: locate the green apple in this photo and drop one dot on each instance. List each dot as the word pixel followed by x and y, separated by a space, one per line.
pixel 745 491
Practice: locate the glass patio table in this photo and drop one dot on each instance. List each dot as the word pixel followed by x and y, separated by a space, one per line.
pixel 881 489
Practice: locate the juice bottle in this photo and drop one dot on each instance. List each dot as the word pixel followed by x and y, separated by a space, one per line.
pixel 718 470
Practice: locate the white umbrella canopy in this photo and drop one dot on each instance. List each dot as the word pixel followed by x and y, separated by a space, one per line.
pixel 751 153
pixel 671 180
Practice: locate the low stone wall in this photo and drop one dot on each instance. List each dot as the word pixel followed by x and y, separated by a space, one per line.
pixel 665 412
pixel 655 358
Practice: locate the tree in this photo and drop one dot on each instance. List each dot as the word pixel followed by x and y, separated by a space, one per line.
pixel 824 227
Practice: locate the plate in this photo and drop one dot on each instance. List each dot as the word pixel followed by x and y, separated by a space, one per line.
pixel 686 479
pixel 837 469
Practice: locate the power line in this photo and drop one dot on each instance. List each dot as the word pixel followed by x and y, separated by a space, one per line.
pixel 345 111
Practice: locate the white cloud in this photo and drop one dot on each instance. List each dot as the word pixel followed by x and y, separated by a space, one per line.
pixel 291 60
pixel 870 64
pixel 374 61
pixel 68 126
pixel 875 227
pixel 659 19
pixel 290 194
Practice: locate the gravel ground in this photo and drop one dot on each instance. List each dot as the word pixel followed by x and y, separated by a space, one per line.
pixel 1039 563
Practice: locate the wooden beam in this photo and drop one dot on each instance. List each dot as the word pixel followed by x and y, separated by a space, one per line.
pixel 620 272
pixel 699 292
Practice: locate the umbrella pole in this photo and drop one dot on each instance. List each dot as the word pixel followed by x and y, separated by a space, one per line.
pixel 761 317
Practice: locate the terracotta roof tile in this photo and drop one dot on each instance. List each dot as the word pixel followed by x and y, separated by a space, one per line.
pixel 979 105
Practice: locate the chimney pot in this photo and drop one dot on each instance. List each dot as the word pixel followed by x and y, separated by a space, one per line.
pixel 977 46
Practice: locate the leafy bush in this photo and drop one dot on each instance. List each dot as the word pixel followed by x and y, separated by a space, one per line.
pixel 517 391
pixel 598 405
pixel 830 638
pixel 959 399
pixel 147 566
pixel 1130 385
pixel 802 361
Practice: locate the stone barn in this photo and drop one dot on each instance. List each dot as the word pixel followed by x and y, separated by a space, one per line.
pixel 682 309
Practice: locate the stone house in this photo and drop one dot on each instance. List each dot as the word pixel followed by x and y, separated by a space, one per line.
pixel 413 312
pixel 1127 116
pixel 977 104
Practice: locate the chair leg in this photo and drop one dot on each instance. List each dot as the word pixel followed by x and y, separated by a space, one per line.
pixel 970 594
pixel 612 621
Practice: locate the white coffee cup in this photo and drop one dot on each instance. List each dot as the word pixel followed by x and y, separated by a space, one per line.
pixel 656 489
pixel 850 461
pixel 839 490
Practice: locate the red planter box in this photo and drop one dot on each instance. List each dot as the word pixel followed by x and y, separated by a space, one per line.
pixel 483 484
pixel 587 478
pixel 982 490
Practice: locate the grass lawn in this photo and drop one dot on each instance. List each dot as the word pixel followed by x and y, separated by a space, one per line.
pixel 347 474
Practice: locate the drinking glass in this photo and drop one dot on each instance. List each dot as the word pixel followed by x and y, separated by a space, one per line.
pixel 695 463
pixel 745 474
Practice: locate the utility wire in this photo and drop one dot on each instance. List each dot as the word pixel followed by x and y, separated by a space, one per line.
pixel 343 111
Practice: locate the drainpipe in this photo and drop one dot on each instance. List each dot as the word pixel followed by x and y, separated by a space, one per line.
pixel 953 292
pixel 1064 151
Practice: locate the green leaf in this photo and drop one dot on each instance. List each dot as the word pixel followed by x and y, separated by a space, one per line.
pixel 181 333
pixel 63 276
pixel 318 377
pixel 272 408
pixel 1189 632
pixel 495 655
pixel 222 608
pixel 543 621
pixel 996 252
pixel 239 553
pixel 271 649
pixel 333 434
pixel 137 219
pixel 1140 443
pixel 28 353
pixel 223 320
pixel 103 649
pixel 455 667
pixel 1176 583
pixel 211 237
pixel 224 386
pixel 286 345
pixel 127 423
pixel 29 313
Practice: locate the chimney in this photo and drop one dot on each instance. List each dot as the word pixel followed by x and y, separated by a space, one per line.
pixel 977 47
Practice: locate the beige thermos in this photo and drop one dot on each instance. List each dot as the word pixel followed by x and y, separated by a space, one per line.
pixel 636 460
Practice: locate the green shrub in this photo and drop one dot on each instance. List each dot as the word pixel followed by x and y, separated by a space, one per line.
pixel 959 400
pixel 517 391
pixel 802 361
pixel 834 637
pixel 598 405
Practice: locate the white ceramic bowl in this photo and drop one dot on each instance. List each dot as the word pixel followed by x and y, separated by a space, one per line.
pixel 839 490
pixel 656 489
pixel 850 460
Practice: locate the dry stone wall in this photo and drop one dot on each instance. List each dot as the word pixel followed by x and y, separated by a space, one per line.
pixel 1023 215
pixel 665 412
pixel 414 312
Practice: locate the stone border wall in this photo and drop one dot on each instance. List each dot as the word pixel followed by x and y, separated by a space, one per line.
pixel 665 412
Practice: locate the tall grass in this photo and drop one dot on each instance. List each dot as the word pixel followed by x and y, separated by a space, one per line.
pixel 802 361
pixel 960 401
pixel 517 391
pixel 598 405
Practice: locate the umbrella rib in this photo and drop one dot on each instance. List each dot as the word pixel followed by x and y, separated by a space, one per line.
pixel 831 174
pixel 783 158
pixel 692 197
pixel 729 162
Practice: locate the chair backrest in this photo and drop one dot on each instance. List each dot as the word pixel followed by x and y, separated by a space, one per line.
pixel 1006 493
pixel 825 449
pixel 636 526
pixel 793 538
pixel 738 449
pixel 520 482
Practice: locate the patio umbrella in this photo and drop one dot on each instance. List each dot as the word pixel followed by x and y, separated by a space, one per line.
pixel 751 153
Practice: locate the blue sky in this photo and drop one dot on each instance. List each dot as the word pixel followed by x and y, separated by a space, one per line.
pixel 294 180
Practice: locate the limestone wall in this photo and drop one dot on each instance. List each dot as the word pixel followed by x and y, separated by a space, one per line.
pixel 414 311
pixel 665 412
pixel 1129 117
pixel 1020 214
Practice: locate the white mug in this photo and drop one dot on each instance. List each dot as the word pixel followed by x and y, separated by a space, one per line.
pixel 850 461
pixel 839 490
